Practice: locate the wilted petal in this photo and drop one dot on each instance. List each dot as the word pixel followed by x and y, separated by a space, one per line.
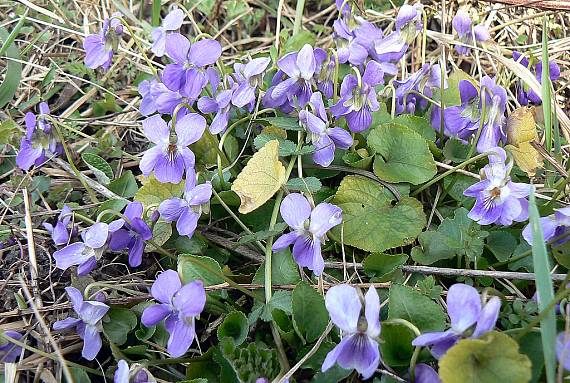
pixel 344 307
pixel 463 306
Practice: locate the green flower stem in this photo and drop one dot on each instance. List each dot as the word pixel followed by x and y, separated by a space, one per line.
pixel 450 171
pixel 139 46
pixel 417 350
pixel 298 16
pixel 107 286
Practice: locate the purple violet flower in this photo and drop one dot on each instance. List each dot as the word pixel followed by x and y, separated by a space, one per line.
pixel 422 81
pixel 10 352
pixel 248 77
pixel 88 325
pixel 525 95
pixel 358 98
pixel 179 305
pixel 186 74
pixel 425 374
pixel 324 73
pixel 498 199
pixel 409 21
pixel 358 348
pixel 39 141
pixel 553 226
pixel 563 350
pixel 172 22
pixel 462 24
pixel 465 311
pixel 219 104
pixel 59 233
pixel 353 44
pixel 171 157
pixel 84 254
pixel 99 47
pixel 309 230
pixel 187 211
pixel 325 139
pixel 296 88
pixel 135 374
pixel 130 235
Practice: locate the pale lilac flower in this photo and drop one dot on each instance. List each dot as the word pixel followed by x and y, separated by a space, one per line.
pixel 135 374
pixel 219 104
pixel 496 100
pixel 563 350
pixel 525 95
pixel 60 233
pixel 353 44
pixel 358 348
pixel 553 226
pixel 186 74
pixel 422 81
pixel 171 157
pixel 88 325
pixel 460 121
pixel 466 313
pixel 39 142
pixel 300 68
pixel 325 139
pixel 248 77
pixel 409 21
pixel 130 235
pixel 309 228
pixel 358 101
pixel 10 352
pixel 463 26
pixel 425 374
pixel 99 47
pixel 498 199
pixel 186 211
pixel 324 74
pixel 172 22
pixel 179 305
pixel 84 254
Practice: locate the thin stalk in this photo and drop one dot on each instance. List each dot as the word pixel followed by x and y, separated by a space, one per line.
pixel 546 94
pixel 298 16
pixel 155 21
pixel 139 46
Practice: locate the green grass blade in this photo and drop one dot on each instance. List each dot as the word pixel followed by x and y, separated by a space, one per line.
pixel 156 13
pixel 545 291
pixel 13 75
pixel 546 93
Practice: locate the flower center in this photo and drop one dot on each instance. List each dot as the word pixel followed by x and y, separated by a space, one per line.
pixel 172 152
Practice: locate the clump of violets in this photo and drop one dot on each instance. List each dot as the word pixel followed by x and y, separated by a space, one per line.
pixel 468 35
pixel 10 352
pixel 187 73
pixel 84 254
pixel 130 234
pixel 60 233
pixel 39 142
pixel 179 306
pixel 186 211
pixel 359 320
pixel 172 22
pixel 470 318
pixel 525 95
pixel 553 226
pixel 309 230
pixel 99 47
pixel 170 158
pixel 497 199
pixel 358 98
pixel 248 78
pixel 135 374
pixel 88 325
pixel 325 139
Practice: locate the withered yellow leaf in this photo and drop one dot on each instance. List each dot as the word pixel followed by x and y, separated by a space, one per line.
pixel 275 131
pixel 260 179
pixel 526 157
pixel 521 126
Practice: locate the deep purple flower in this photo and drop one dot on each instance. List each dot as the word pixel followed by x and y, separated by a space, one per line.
pixel 186 74
pixel 39 142
pixel 88 325
pixel 59 233
pixel 170 156
pixel 187 211
pixel 553 226
pixel 179 305
pixel 325 139
pixel 498 199
pixel 425 374
pixel 563 350
pixel 171 22
pixel 99 47
pixel 462 24
pixel 219 104
pixel 465 311
pixel 358 348
pixel 353 44
pixel 309 230
pixel 525 95
pixel 84 254
pixel 10 352
pixel 248 78
pixel 130 235
pixel 135 374
pixel 296 88
pixel 358 100
pixel 156 97
pixel 460 121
